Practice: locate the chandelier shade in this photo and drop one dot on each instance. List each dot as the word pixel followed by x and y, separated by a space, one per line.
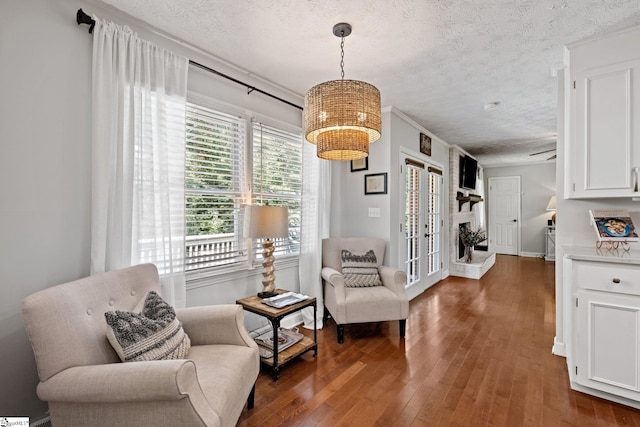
pixel 342 117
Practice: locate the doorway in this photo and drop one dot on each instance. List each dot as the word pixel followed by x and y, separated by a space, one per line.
pixel 504 215
pixel 421 236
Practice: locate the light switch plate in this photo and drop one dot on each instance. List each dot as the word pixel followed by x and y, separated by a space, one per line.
pixel 374 212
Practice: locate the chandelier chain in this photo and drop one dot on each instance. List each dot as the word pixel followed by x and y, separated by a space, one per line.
pixel 342 56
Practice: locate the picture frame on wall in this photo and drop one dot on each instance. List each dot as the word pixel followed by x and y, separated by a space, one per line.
pixel 425 144
pixel 360 164
pixel 375 183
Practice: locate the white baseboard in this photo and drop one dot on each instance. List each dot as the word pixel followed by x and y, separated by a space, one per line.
pixel 618 399
pixel 559 349
pixel 531 254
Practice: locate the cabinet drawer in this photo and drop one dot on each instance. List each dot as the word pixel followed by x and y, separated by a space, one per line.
pixel 609 277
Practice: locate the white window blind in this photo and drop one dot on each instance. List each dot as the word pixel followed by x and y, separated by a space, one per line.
pixel 277 180
pixel 215 170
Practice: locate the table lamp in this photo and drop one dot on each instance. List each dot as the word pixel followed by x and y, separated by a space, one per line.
pixel 551 206
pixel 267 223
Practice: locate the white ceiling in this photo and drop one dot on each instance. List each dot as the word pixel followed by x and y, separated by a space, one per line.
pixel 437 61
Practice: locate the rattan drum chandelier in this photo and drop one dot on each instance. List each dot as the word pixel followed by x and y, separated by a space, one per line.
pixel 342 117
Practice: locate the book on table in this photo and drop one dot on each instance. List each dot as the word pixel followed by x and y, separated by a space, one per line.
pixel 286 338
pixel 613 225
pixel 285 299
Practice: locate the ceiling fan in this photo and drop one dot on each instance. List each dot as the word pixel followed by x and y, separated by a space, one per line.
pixel 546 151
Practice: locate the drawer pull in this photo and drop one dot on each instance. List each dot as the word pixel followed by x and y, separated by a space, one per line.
pixel 616 280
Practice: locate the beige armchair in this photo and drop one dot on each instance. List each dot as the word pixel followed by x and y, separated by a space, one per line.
pixel 85 384
pixel 362 304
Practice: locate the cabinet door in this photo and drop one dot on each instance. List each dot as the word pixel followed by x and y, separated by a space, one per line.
pixel 606 147
pixel 607 346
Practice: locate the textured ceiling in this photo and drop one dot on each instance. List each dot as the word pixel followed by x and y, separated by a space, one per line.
pixel 438 61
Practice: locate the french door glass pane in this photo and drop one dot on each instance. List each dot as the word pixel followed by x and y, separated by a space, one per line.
pixel 433 222
pixel 412 223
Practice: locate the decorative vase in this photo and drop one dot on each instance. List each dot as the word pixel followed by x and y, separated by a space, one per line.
pixel 468 253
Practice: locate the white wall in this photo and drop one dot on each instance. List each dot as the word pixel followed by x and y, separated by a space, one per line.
pixel 538 184
pixel 45 133
pixel 45 129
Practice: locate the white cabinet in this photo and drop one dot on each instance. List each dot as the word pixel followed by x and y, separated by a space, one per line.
pixel 603 140
pixel 605 354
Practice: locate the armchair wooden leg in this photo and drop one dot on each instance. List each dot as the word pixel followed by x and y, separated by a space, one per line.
pixel 403 327
pixel 340 333
pixel 252 397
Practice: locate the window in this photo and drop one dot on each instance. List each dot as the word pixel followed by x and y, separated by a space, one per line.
pixel 277 180
pixel 229 163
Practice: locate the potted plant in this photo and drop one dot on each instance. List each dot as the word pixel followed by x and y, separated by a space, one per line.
pixel 470 239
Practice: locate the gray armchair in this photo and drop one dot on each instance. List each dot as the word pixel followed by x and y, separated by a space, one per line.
pixel 362 304
pixel 85 384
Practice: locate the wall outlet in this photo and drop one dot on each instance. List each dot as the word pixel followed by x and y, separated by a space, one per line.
pixel 374 212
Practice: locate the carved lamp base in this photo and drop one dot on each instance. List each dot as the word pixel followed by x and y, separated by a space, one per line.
pixel 269 282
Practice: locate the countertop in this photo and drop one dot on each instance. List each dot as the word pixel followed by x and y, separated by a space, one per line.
pixel 591 253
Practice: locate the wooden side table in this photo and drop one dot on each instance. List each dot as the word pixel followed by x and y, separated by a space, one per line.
pixel 255 305
pixel 550 243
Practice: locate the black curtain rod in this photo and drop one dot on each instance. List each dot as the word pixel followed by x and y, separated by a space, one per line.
pixel 83 18
pixel 248 86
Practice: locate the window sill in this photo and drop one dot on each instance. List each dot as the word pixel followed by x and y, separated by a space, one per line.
pixel 199 279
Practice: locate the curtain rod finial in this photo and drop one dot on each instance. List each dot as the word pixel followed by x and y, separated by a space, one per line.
pixel 83 18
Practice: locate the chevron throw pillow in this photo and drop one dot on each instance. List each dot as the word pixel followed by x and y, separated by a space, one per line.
pixel 360 271
pixel 154 334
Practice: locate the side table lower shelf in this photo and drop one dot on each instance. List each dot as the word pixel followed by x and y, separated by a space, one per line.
pixel 298 349
pixel 255 305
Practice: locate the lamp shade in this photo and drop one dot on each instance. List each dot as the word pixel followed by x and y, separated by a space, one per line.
pixel 342 117
pixel 551 206
pixel 266 222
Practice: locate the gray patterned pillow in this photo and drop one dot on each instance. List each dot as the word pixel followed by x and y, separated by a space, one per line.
pixel 154 334
pixel 360 271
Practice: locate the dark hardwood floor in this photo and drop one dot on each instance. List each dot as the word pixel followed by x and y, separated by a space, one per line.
pixel 477 353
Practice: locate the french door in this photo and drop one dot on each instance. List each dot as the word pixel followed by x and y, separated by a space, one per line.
pixel 421 230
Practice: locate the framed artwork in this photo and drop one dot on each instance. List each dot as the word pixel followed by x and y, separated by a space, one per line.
pixel 425 144
pixel 360 164
pixel 375 183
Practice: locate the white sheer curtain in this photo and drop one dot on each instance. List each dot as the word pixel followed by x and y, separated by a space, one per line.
pixel 316 206
pixel 138 150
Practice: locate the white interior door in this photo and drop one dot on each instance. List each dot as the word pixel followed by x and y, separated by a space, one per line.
pixel 421 230
pixel 504 215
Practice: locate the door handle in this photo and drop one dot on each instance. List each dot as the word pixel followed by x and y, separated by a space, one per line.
pixel 515 220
